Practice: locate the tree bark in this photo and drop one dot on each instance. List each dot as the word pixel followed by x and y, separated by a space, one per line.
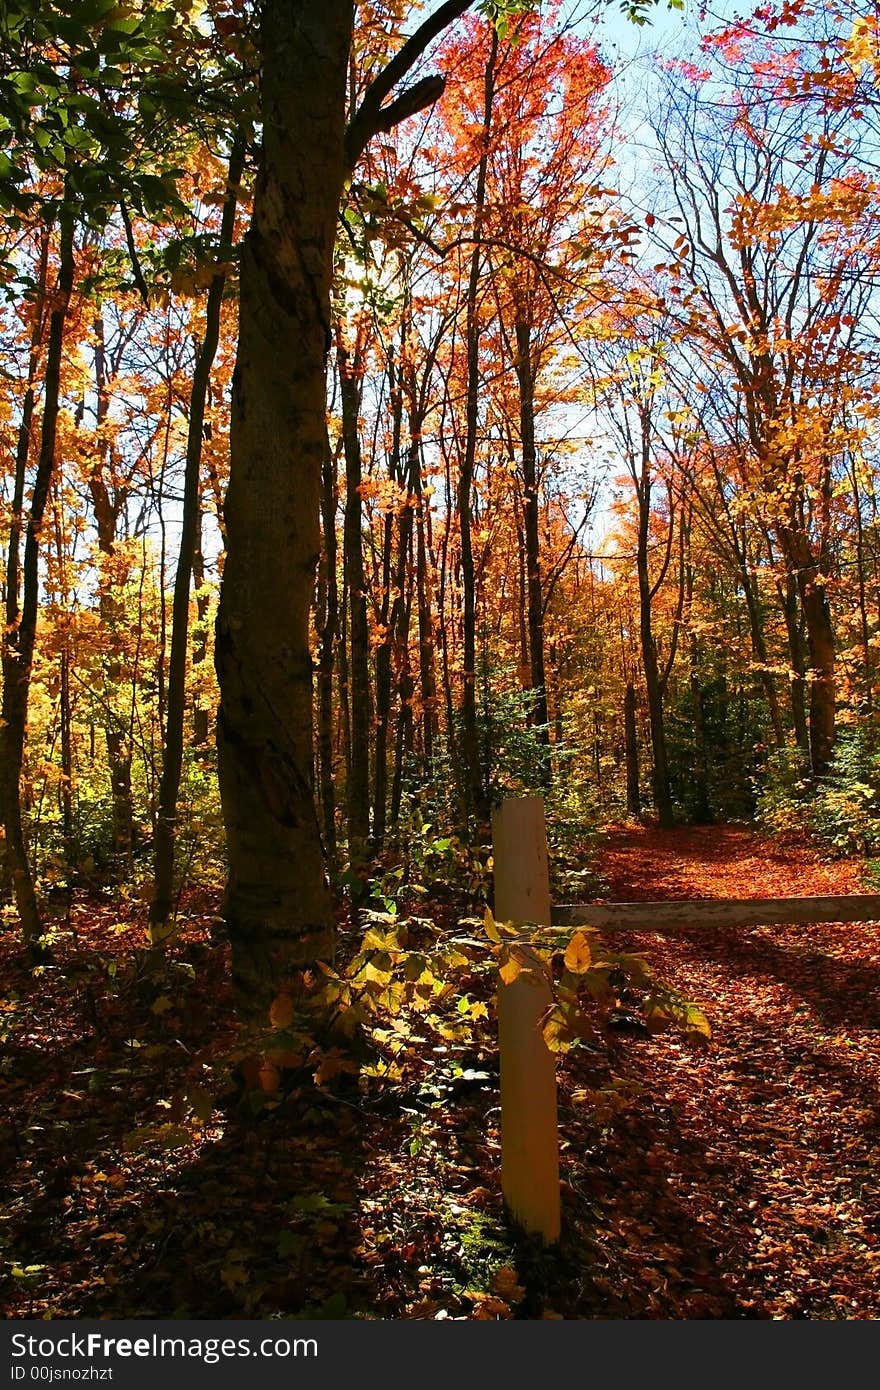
pixel 107 506
pixel 277 905
pixel 650 662
pixel 20 637
pixel 821 646
pixel 525 375
pixel 328 634
pixel 172 753
pixel 475 790
pixel 789 602
pixel 200 720
pixel 631 745
pixel 358 782
pixel 389 618
pixel 278 908
pixel 8 790
pixel 759 647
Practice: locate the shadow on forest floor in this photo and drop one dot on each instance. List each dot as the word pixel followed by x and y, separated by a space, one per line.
pixel 736 1180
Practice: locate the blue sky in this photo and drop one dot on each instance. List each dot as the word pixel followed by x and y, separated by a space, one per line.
pixel 630 39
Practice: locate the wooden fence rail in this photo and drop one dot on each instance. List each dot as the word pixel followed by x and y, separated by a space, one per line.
pixel 529 1130
pixel 708 912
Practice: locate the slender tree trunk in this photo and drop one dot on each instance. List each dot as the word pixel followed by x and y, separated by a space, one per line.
pixel 650 663
pixel 864 624
pixel 522 607
pixel 20 637
pixel 759 647
pixel 328 628
pixel 417 397
pixel 398 620
pixel 112 612
pixel 389 617
pixel 9 791
pixel 65 714
pixel 384 683
pixel 470 745
pixel 702 809
pixel 343 690
pixel 631 745
pixel 200 720
pixel 789 601
pixel 427 683
pixel 525 374
pixel 403 741
pixel 358 784
pixel 821 646
pixel 172 753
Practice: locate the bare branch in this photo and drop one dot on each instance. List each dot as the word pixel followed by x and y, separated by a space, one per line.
pixel 370 116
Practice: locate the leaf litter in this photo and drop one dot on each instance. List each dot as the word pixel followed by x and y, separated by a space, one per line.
pixel 733 1179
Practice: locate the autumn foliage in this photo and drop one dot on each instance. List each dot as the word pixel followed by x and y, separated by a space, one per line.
pixel 584 503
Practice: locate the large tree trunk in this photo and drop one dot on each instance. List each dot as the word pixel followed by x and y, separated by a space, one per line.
pixel 277 906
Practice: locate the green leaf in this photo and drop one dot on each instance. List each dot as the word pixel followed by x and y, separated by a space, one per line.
pixel 290 1244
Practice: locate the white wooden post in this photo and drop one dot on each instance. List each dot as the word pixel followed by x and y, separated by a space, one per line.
pixel 529 1128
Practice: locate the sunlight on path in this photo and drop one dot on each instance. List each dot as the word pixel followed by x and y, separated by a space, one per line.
pixel 752 1167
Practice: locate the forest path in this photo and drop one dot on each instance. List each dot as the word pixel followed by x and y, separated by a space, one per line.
pixel 716 861
pixel 741 1181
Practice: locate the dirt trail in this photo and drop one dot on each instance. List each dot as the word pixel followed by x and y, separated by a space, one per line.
pixel 717 862
pixel 743 1181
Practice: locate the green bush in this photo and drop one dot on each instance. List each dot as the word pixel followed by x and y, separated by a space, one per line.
pixel 841 810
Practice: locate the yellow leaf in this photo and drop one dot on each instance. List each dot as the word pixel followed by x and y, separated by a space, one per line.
pixel 160 932
pixel 375 975
pixel 509 968
pixel 697 1022
pixel 558 1034
pixel 281 1012
pixel 506 1284
pixel 578 957
pixel 490 928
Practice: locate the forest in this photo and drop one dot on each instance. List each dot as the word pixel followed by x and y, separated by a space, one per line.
pixel 405 407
